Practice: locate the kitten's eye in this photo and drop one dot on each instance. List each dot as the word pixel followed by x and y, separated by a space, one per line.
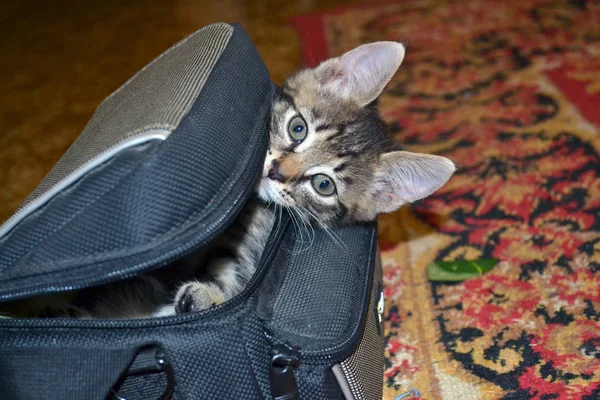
pixel 323 184
pixel 297 129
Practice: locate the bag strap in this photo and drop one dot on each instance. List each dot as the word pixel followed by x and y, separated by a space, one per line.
pixel 33 373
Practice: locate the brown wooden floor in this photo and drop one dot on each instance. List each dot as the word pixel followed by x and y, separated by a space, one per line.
pixel 61 58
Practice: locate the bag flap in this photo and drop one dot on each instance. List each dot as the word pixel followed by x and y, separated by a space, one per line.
pixel 163 165
pixel 318 292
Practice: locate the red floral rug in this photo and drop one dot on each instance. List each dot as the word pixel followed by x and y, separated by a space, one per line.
pixel 509 90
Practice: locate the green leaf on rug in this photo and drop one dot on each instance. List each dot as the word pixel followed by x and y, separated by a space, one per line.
pixel 459 270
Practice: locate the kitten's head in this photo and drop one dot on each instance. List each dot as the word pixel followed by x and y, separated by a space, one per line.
pixel 329 154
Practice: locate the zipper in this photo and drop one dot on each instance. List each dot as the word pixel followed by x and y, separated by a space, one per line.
pixel 285 358
pixel 280 226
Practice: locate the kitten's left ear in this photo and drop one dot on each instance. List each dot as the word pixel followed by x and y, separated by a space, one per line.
pixel 362 73
pixel 403 177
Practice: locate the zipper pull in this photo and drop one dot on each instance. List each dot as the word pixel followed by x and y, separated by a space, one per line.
pixel 284 358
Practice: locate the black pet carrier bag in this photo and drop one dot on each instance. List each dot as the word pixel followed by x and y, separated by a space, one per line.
pixel 164 165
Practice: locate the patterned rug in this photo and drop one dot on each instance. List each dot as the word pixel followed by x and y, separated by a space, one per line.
pixel 509 90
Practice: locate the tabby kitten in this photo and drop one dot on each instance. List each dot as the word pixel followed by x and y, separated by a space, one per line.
pixel 329 160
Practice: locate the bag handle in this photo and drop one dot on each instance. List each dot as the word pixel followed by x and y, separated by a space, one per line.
pixel 53 373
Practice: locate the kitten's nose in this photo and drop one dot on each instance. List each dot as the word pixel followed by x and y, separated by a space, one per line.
pixel 275 173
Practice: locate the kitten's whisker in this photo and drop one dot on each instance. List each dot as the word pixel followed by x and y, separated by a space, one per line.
pixel 268 205
pixel 331 234
pixel 306 224
pixel 304 218
pixel 299 230
pixel 279 209
pixel 293 208
pixel 297 224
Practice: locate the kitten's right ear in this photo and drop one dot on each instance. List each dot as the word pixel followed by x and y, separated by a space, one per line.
pixel 362 73
pixel 403 177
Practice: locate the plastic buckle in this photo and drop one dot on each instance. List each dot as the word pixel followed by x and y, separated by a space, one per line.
pixel 284 358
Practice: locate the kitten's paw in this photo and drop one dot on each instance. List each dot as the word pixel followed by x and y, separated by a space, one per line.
pixel 197 296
